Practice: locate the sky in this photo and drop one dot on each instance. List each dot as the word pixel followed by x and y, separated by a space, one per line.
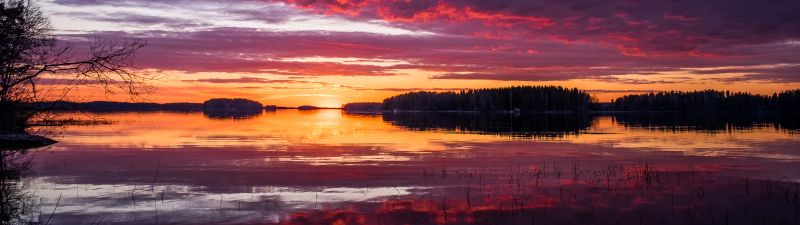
pixel 331 52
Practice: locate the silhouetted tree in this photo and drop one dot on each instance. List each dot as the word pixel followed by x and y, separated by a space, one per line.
pixel 29 53
pixel 786 100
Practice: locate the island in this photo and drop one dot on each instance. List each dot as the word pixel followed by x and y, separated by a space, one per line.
pixel 362 107
pixel 219 108
pixel 307 107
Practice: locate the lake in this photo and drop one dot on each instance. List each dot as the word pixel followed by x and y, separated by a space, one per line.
pixel 330 167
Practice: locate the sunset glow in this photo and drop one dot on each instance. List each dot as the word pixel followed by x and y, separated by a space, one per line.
pixel 328 53
pixel 399 112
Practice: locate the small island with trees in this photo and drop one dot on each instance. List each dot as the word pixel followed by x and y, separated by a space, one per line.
pixel 231 108
pixel 307 107
pixel 231 104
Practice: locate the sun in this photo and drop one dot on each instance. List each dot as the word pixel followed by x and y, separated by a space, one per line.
pixel 329 103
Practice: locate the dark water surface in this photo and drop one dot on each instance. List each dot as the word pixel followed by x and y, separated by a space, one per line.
pixel 328 167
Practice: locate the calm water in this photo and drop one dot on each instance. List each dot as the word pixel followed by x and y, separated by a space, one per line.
pixel 328 167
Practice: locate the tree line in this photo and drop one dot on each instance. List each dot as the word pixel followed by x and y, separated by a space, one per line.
pixel 555 98
pixel 708 100
pixel 109 106
pixel 517 98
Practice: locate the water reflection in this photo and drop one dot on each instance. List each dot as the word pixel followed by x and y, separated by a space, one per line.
pixel 516 125
pixel 631 194
pixel 710 122
pixel 233 114
pixel 326 167
pixel 559 124
pixel 17 204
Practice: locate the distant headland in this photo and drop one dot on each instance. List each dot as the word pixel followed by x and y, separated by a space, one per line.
pixel 215 104
pixel 109 106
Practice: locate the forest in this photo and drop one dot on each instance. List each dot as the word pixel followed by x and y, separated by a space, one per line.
pixel 517 98
pixel 708 100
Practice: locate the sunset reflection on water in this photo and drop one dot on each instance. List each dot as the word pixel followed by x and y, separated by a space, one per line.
pixel 329 167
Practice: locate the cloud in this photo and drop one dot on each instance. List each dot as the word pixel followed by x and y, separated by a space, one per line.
pixel 771 73
pixel 545 73
pixel 185 15
pixel 250 80
pixel 135 19
pixel 505 40
pixel 635 27
pixel 244 50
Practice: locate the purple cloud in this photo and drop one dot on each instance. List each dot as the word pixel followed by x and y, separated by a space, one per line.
pixel 486 40
pixel 256 80
pixel 636 27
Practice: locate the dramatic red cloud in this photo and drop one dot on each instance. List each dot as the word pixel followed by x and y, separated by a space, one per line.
pixel 604 45
pixel 254 51
pixel 637 27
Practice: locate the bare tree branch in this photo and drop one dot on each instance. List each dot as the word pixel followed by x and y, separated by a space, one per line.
pixel 29 51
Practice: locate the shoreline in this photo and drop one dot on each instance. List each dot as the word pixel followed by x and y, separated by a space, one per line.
pixel 23 141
